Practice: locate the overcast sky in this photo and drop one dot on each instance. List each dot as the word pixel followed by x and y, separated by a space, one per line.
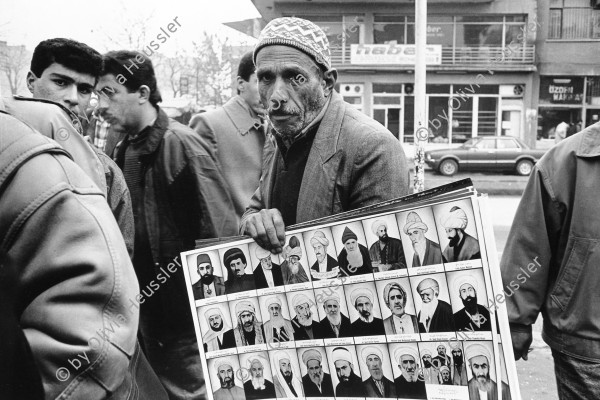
pixel 96 22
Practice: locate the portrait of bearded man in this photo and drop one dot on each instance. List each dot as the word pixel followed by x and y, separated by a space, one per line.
pixel 305 327
pixel 277 329
pixel 459 368
pixel 292 270
pixel 442 359
pixel 435 314
pixel 354 258
pixel 350 384
pixel 235 262
pixel 258 386
pixel 426 251
pixel 267 274
pixel 316 382
pixel 387 252
pixel 226 375
pixel 461 245
pixel 400 322
pixel 377 384
pixel 481 385
pixel 430 372
pixel 367 324
pixel 249 329
pixel 285 379
pixel 220 335
pixel 335 324
pixel 474 316
pixel 445 374
pixel 410 384
pixel 209 285
pixel 326 267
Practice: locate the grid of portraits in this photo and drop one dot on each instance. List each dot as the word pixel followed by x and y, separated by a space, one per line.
pixel 409 370
pixel 410 278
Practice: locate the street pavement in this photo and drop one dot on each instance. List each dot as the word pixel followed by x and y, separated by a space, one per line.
pixel 492 184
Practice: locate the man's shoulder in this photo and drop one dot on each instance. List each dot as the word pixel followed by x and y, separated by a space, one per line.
pixel 444 306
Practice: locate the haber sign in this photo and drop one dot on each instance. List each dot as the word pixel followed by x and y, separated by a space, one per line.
pixel 392 54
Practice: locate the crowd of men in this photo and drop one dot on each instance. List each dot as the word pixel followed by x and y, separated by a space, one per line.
pixel 110 204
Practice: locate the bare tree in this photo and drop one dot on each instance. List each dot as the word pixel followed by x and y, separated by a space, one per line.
pixel 13 62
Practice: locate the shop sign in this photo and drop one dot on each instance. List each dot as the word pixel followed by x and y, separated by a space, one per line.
pixel 392 54
pixel 561 90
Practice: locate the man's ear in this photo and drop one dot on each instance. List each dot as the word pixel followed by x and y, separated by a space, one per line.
pixel 240 84
pixel 31 78
pixel 329 79
pixel 144 94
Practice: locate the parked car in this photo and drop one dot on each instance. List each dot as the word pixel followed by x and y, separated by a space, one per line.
pixel 486 153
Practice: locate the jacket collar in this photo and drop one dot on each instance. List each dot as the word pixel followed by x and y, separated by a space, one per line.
pixel 241 115
pixel 326 139
pixel 156 134
pixel 590 142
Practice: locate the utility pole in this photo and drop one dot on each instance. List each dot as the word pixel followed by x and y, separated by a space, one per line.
pixel 421 128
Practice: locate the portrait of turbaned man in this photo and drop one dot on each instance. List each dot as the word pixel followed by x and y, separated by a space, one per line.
pixel 267 267
pixel 314 367
pixel 408 380
pixel 276 323
pixel 397 306
pixel 419 237
pixel 353 255
pixel 305 317
pixel 322 256
pixel 457 231
pixel 294 267
pixel 206 275
pixel 469 300
pixel 247 321
pixel 287 378
pixel 385 247
pixel 333 312
pixel 432 301
pixel 365 312
pixel 346 374
pixel 376 370
pixel 216 327
pixel 226 384
pixel 482 372
pixel 257 375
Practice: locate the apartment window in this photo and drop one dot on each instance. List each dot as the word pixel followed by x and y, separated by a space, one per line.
pixel 573 20
pixel 341 30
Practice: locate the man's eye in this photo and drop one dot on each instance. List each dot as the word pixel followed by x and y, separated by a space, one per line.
pixel 85 91
pixel 60 82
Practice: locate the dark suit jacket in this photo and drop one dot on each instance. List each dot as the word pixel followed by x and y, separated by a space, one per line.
pixel 254 394
pixel 433 254
pixel 311 390
pixel 259 277
pixel 462 322
pixel 327 331
pixel 331 264
pixel 228 341
pixel 361 328
pixel 411 390
pixel 366 268
pixel 300 332
pixel 371 389
pixel 442 320
pixel 199 291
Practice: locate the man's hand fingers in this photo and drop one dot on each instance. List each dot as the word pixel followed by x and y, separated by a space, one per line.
pixel 256 230
pixel 268 222
pixel 279 226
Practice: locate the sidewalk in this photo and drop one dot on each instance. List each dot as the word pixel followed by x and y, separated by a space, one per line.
pixel 490 183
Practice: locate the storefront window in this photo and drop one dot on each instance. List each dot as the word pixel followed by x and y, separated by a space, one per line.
pixel 573 19
pixel 592 93
pixel 389 29
pixel 487 116
pixel 462 121
pixel 438 119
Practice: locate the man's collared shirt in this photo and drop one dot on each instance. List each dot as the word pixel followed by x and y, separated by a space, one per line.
pixel 403 324
pixel 269 277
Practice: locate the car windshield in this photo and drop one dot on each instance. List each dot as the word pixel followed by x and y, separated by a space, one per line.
pixel 471 142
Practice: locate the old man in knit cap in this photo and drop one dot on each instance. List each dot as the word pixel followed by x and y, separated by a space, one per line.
pixel 410 384
pixel 400 322
pixel 462 246
pixel 209 285
pixel 335 324
pixel 350 384
pixel 354 258
pixel 387 252
pixel 316 382
pixel 325 267
pixel 226 374
pixel 473 317
pixel 329 157
pixel 238 280
pixel 366 324
pixel 258 386
pixel 427 252
pixel 267 274
pixel 305 327
pixel 481 385
pixel 220 335
pixel 249 330
pixel 277 328
pixel 292 270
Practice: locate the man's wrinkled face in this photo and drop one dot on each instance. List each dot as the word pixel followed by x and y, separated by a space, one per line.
pixel 275 310
pixel 62 85
pixel 382 232
pixel 332 307
pixel 343 369
pixel 408 366
pixel 364 306
pixel 294 260
pixel 446 375
pixel 416 235
pixel 216 322
pixel 427 295
pixel 320 252
pixel 350 245
pixel 303 311
pixel 247 319
pixel 238 266
pixel 315 370
pixel 256 369
pixel 286 367
pixel 205 269
pixel 480 368
pixel 396 302
pixel 116 105
pixel 226 376
pixel 374 365
pixel 266 263
pixel 291 88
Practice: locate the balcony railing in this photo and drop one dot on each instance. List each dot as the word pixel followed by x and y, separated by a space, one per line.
pixel 515 57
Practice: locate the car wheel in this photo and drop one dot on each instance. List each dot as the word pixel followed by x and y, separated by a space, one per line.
pixel 448 167
pixel 524 167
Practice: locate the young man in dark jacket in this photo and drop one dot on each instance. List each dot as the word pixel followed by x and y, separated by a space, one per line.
pixel 178 196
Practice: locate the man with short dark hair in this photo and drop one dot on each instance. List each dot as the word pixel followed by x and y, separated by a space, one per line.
pixel 208 285
pixel 236 133
pixel 235 262
pixel 329 157
pixel 178 196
